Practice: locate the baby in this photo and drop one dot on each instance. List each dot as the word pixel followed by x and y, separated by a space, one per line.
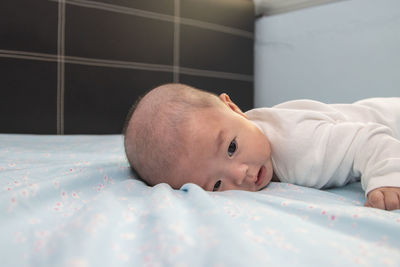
pixel 177 134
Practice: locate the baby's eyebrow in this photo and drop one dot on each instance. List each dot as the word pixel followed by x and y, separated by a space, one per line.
pixel 219 140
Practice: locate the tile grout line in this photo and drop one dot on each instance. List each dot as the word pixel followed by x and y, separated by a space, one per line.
pixel 177 33
pixel 60 67
pixel 123 65
pixel 158 16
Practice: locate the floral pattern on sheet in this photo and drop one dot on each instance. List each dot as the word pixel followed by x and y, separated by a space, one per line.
pixel 72 201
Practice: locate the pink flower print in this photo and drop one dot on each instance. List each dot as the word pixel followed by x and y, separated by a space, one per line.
pixel 13 203
pixel 19 237
pixel 33 221
pixel 24 192
pixel 38 245
pixel 128 236
pixel 58 206
pixel 11 165
pixel 100 187
pixel 129 217
pixel 34 188
pixel 42 234
pixel 77 262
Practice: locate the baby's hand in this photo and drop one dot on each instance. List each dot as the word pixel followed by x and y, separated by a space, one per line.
pixel 386 198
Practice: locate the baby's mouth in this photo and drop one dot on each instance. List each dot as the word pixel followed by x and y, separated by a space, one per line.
pixel 261 175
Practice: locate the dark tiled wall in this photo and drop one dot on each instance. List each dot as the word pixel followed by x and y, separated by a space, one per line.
pixel 76 66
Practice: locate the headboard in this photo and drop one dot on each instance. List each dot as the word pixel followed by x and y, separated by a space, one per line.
pixel 76 66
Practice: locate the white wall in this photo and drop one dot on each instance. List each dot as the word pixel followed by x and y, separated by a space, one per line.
pixel 339 52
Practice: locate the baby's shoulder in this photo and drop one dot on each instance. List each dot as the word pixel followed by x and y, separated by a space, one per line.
pixel 304 104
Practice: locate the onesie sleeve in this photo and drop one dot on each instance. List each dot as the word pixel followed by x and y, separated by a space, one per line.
pixel 323 154
pixel 377 157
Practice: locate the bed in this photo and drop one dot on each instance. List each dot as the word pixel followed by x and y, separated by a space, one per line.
pixel 68 195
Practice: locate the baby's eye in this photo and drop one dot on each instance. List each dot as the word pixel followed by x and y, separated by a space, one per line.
pixel 232 148
pixel 217 185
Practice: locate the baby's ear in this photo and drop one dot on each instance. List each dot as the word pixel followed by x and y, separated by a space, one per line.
pixel 225 98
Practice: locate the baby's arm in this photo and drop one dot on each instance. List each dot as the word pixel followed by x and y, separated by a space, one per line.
pixel 386 198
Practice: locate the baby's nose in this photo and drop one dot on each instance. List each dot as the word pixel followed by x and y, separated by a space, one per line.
pixel 240 174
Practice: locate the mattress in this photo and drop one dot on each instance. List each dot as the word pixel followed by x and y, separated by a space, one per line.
pixel 73 201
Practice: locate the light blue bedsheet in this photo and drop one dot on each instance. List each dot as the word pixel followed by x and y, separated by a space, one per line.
pixel 72 201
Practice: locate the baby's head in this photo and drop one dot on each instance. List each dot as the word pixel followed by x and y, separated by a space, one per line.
pixel 178 134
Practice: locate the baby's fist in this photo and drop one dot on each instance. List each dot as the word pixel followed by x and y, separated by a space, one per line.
pixel 386 198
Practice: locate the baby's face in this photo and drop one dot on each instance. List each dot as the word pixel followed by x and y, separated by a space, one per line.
pixel 225 152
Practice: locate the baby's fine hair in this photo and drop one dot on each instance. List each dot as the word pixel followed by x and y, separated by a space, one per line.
pixel 155 127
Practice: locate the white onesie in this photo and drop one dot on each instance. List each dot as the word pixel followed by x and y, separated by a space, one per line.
pixel 323 145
